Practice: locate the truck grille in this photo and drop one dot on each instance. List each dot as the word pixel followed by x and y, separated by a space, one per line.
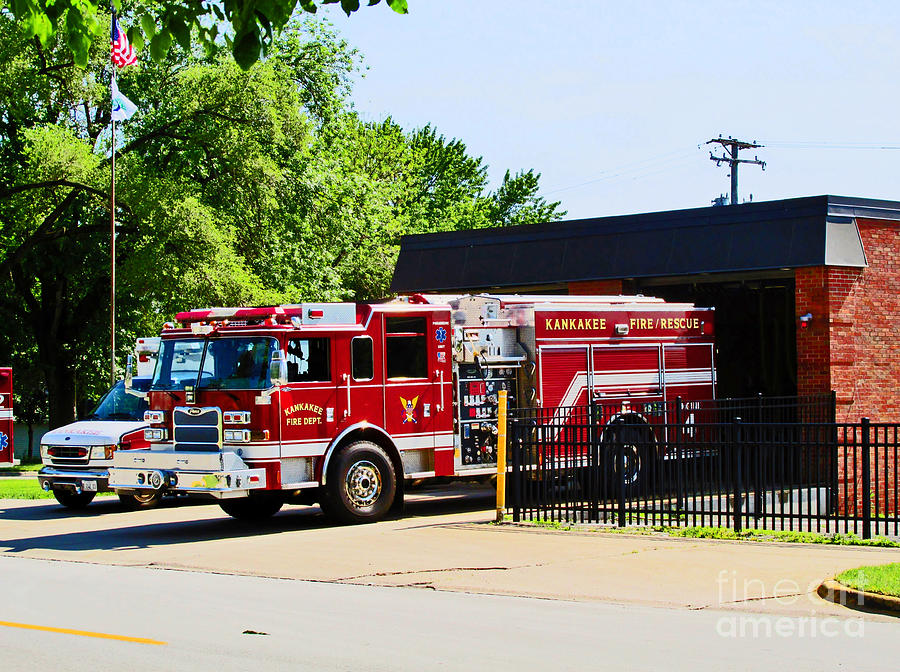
pixel 197 429
pixel 69 454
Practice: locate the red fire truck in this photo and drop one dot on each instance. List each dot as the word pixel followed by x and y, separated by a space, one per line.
pixel 7 455
pixel 341 403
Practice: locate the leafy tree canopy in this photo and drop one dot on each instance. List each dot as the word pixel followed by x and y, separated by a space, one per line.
pixel 233 187
pixel 246 27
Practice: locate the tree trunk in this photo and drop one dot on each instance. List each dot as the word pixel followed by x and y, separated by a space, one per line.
pixel 61 388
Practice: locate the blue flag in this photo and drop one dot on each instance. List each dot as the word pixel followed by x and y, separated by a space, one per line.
pixel 122 108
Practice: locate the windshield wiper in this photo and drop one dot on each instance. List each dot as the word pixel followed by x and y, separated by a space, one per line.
pixel 121 416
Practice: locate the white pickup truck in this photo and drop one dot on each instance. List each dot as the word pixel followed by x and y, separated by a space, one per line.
pixel 77 456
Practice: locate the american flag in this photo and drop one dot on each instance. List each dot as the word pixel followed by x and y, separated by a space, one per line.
pixel 122 52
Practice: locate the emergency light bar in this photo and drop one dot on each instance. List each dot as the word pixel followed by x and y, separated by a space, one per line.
pixel 305 313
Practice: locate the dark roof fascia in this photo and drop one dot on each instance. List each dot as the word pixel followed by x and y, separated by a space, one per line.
pixel 865 208
pixel 667 219
pixel 810 234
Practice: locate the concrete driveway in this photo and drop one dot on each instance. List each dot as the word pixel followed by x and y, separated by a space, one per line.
pixel 444 542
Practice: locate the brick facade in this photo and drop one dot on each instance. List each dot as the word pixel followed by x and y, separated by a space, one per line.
pixel 851 344
pixel 596 287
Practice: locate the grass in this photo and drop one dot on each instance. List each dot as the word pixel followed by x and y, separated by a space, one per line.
pixel 778 535
pixel 22 488
pixel 31 466
pixel 785 536
pixel 881 579
pixel 26 488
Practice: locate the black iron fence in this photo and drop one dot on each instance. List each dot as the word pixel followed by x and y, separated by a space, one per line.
pixel 789 467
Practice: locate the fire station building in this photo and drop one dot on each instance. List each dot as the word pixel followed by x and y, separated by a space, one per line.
pixel 806 290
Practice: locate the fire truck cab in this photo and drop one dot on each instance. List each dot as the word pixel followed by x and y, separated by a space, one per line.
pixel 341 403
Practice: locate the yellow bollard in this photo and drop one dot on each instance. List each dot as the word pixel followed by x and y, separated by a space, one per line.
pixel 501 457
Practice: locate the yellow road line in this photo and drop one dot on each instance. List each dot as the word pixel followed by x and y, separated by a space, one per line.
pixel 83 633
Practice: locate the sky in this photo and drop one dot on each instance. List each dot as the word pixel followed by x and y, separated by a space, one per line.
pixel 613 102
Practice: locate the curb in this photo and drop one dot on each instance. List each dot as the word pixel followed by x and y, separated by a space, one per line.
pixel 845 596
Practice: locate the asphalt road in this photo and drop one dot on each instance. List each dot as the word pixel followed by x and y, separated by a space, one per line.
pixel 163 619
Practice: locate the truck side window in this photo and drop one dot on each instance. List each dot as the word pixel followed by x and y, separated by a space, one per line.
pixel 363 358
pixel 406 349
pixel 309 360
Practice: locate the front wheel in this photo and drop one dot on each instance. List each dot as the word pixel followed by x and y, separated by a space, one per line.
pixel 256 506
pixel 361 484
pixel 73 500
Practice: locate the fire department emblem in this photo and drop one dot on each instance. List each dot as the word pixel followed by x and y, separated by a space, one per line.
pixel 409 409
pixel 4 439
pixel 440 334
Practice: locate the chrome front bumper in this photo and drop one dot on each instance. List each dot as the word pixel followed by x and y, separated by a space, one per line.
pixel 52 478
pixel 221 475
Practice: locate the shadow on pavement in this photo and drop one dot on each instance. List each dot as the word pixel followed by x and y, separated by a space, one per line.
pixel 101 506
pixel 419 503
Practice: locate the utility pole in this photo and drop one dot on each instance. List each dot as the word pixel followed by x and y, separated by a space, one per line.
pixel 731 147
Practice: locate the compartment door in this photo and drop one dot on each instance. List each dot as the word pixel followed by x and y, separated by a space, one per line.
pixel 564 376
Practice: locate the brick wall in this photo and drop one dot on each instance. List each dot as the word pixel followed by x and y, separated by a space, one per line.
pixel 865 328
pixel 813 341
pixel 596 287
pixel 852 344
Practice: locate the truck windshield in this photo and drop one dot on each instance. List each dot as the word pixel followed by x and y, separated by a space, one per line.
pixel 117 404
pixel 227 364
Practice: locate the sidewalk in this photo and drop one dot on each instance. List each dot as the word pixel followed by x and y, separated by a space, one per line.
pixel 447 551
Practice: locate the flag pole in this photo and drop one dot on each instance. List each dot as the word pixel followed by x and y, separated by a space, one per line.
pixel 112 245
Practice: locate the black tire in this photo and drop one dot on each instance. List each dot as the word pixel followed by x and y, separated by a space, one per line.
pixel 73 500
pixel 148 499
pixel 633 437
pixel 256 506
pixel 361 484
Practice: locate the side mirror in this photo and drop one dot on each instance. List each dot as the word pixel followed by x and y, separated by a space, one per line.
pixel 129 374
pixel 129 382
pixel 278 368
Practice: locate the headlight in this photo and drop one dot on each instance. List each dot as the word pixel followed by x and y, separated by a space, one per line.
pixel 236 417
pixel 102 452
pixel 154 434
pixel 155 417
pixel 237 435
pixel 45 451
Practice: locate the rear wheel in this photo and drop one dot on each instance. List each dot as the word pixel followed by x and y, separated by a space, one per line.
pixel 73 500
pixel 362 484
pixel 148 499
pixel 256 506
pixel 630 436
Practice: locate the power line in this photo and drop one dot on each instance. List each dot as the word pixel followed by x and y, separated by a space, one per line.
pixel 627 169
pixel 798 144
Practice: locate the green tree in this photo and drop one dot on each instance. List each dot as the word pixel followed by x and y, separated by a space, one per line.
pixel 201 176
pixel 247 28
pixel 374 182
pixel 233 187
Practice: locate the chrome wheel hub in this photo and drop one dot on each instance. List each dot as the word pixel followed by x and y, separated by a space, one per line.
pixel 363 483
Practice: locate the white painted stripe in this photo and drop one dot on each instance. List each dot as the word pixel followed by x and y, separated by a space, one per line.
pixel 631 379
pixel 689 376
pixel 312 450
pixel 6 414
pixel 413 443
